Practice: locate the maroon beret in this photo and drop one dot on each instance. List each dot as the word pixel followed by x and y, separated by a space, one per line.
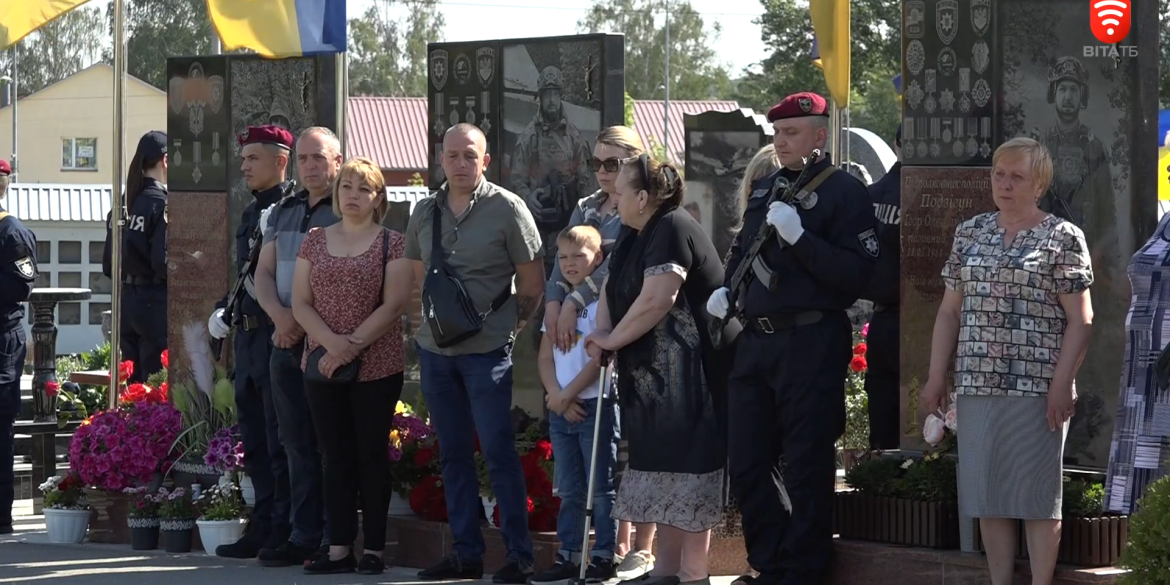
pixel 799 105
pixel 274 135
pixel 5 168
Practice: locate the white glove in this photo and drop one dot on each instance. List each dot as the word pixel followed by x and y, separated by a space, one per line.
pixel 718 303
pixel 784 218
pixel 264 218
pixel 216 327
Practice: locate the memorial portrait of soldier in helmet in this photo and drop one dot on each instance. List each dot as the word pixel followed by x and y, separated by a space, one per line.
pixel 552 114
pixel 1081 105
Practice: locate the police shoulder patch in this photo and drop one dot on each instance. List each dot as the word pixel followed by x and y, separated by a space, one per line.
pixel 869 242
pixel 25 267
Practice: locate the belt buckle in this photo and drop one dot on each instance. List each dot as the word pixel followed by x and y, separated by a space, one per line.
pixel 249 322
pixel 765 325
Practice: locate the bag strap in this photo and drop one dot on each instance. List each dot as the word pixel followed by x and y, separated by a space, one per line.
pixel 817 180
pixel 437 236
pixel 385 257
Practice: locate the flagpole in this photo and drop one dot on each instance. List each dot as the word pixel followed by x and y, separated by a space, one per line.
pixel 342 99
pixel 835 131
pixel 116 201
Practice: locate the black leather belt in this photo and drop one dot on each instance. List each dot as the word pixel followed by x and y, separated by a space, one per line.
pixel 879 308
pixel 254 322
pixel 142 280
pixel 771 324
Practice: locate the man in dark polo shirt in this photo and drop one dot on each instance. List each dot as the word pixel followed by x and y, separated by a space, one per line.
pixel 488 237
pixel 318 159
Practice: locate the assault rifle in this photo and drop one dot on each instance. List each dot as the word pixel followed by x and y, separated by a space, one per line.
pixel 235 297
pixel 783 191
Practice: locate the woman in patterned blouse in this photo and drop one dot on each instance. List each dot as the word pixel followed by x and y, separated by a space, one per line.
pixel 1016 316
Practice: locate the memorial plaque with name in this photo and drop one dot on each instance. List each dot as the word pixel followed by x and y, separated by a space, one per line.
pixel 198 124
pixel 464 86
pixel 950 82
pixel 197 268
pixel 935 200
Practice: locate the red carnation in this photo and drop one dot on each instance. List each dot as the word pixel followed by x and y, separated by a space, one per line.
pixel 125 370
pixel 51 388
pixel 543 448
pixel 859 349
pixel 166 358
pixel 857 364
pixel 163 392
pixel 422 457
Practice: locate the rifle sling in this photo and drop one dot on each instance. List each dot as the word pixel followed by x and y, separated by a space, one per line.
pixel 761 268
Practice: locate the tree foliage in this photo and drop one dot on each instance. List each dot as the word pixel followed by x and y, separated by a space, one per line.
pixel 1164 63
pixel 695 71
pixel 56 51
pixel 388 54
pixel 628 120
pixel 158 29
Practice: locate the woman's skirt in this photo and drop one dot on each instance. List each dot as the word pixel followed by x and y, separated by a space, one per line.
pixel 1009 462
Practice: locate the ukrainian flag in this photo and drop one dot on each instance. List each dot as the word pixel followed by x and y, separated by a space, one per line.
pixel 280 28
pixel 19 18
pixel 831 25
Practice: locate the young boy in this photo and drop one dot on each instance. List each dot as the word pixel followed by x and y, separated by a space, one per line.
pixel 570 380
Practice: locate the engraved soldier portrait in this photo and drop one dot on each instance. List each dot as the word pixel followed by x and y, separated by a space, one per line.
pixel 550 161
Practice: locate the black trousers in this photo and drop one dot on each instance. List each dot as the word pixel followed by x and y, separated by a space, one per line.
pixel 353 428
pixel 882 382
pixel 264 457
pixel 786 400
pixel 143 328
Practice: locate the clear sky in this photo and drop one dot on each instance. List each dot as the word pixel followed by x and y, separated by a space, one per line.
pixel 739 45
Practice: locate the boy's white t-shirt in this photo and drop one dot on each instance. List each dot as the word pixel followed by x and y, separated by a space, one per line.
pixel 568 365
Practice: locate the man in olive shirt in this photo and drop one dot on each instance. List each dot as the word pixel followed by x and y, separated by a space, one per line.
pixel 488 237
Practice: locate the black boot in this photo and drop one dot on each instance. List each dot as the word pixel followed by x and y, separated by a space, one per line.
pixel 248 546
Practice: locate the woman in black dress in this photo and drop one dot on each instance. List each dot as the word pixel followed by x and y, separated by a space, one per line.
pixel 662 270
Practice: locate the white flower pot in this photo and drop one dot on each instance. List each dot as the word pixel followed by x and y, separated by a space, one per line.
pixel 489 509
pixel 216 532
pixel 399 506
pixel 67 526
pixel 246 490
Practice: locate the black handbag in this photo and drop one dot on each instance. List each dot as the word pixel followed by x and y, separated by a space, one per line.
pixel 446 306
pixel 348 373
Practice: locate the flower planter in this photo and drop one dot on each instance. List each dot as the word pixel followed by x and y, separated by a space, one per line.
pixel 67 526
pixel 186 473
pixel 216 532
pixel 110 512
pixel 247 491
pixel 399 506
pixel 897 521
pixel 176 535
pixel 143 533
pixel 1084 542
pixel 489 509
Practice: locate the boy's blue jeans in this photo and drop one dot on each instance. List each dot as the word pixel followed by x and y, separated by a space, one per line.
pixel 572 445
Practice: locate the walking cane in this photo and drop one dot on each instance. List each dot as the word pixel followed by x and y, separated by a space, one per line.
pixel 601 386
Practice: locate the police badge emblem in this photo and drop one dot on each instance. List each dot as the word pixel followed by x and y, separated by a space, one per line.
pixel 946 20
pixel 25 266
pixel 915 19
pixel 807 199
pixel 462 69
pixel 980 57
pixel 869 242
pixel 215 84
pixel 805 104
pixel 439 68
pixel 485 61
pixel 175 94
pixel 980 16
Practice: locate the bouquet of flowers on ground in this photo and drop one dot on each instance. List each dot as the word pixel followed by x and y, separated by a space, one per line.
pixel 116 449
pixel 206 400
pixel 220 502
pixel 412 450
pixel 64 493
pixel 856 436
pixel 536 462
pixel 225 452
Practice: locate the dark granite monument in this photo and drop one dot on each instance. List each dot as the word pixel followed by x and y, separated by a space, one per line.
pixel 719 146
pixel 213 99
pixel 979 72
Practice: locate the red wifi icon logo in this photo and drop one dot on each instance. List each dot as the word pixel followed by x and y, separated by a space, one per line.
pixel 1109 20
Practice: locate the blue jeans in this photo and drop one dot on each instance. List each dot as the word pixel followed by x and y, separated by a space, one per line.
pixel 572 445
pixel 469 394
pixel 299 439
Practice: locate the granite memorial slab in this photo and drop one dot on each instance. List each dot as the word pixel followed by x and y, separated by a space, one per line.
pixel 197 268
pixel 463 86
pixel 719 146
pixel 198 124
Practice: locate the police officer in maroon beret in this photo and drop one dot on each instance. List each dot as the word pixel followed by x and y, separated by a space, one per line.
pixel 266 151
pixel 786 395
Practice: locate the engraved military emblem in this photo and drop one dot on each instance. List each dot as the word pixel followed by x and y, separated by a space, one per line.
pixel 461 69
pixel 980 16
pixel 931 105
pixel 175 94
pixel 946 20
pixel 194 90
pixel 923 149
pixel 972 146
pixel 957 149
pixel 946 100
pixel 808 201
pixel 439 68
pixel 215 85
pixel 915 19
pixel 869 242
pixel 981 93
pixel 914 95
pixel 805 104
pixel 980 57
pixel 25 266
pixel 947 61
pixel 485 65
pixel 915 57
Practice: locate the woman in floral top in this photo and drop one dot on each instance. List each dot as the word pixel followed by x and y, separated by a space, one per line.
pixel 1016 316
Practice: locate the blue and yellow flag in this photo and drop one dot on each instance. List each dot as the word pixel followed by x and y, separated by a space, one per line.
pixel 280 28
pixel 831 25
pixel 18 18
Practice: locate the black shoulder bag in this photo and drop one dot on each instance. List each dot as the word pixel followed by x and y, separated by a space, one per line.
pixel 446 305
pixel 348 373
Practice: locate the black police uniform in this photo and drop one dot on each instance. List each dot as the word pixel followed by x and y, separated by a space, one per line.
pixel 881 379
pixel 143 319
pixel 18 273
pixel 264 457
pixel 786 397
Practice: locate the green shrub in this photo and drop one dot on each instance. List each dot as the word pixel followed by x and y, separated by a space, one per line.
pixel 1082 499
pixel 933 478
pixel 876 477
pixel 1147 556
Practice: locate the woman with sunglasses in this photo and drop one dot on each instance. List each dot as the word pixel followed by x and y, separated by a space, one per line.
pixel 564 303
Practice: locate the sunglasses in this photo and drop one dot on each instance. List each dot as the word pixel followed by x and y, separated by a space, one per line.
pixel 611 165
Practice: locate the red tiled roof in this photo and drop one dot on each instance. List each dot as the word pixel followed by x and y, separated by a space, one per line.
pixel 393 131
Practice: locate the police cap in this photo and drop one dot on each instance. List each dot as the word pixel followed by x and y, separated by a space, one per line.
pixel 269 134
pixel 5 169
pixel 799 105
pixel 152 146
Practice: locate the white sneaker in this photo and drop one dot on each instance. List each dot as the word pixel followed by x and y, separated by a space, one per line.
pixel 635 565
